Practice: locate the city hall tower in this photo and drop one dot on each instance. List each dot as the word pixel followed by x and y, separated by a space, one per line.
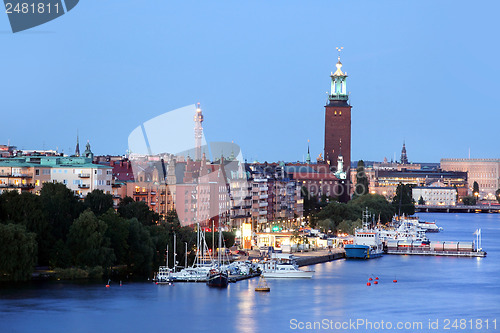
pixel 338 120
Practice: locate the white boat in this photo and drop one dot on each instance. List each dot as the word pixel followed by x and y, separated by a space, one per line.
pixel 404 229
pixel 164 274
pixel 200 270
pixel 275 270
pixel 429 226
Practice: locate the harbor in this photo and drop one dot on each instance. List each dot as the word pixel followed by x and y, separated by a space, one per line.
pixel 403 236
pixel 466 286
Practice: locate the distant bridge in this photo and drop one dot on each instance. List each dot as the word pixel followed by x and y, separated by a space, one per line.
pixel 459 209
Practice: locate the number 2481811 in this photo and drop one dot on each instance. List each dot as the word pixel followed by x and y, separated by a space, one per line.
pixel 31 8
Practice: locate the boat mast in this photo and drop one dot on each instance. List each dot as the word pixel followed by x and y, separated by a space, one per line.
pixel 186 256
pixel 220 237
pixel 166 263
pixel 175 252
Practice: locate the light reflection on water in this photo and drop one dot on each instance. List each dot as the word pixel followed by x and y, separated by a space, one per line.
pixel 427 288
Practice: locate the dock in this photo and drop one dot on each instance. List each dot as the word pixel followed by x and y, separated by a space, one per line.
pixel 420 252
pixel 236 278
pixel 318 257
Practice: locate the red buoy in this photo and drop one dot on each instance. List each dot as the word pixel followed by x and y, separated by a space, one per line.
pixel 370 279
pixel 394 280
pixel 368 284
pixel 376 278
pixel 107 286
pixel 376 282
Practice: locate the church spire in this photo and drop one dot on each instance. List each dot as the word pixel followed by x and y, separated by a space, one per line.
pixel 77 149
pixel 308 158
pixel 404 157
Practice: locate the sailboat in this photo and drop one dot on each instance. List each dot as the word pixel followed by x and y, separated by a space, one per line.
pixel 218 277
pixel 202 265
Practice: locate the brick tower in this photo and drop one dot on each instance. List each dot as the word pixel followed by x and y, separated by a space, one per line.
pixel 338 121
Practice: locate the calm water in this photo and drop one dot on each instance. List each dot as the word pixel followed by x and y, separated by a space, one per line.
pixel 428 288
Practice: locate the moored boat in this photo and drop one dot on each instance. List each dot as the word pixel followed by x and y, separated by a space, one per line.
pixel 367 243
pixel 275 270
pixel 217 278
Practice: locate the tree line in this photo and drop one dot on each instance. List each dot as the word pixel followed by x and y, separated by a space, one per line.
pixel 56 230
pixel 329 215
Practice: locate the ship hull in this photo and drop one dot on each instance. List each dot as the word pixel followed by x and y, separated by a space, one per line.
pixel 360 252
pixel 219 280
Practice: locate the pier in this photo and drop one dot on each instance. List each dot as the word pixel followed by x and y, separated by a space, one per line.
pixel 421 252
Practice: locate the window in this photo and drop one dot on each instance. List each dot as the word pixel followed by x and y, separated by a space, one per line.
pixel 37 172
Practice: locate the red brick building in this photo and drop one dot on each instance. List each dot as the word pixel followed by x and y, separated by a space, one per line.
pixel 338 120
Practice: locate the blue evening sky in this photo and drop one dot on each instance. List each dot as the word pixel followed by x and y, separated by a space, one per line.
pixel 421 71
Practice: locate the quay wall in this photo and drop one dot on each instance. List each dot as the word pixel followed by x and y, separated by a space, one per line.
pixel 312 260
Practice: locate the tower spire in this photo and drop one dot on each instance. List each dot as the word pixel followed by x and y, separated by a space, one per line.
pixel 338 83
pixel 404 157
pixel 308 158
pixel 77 149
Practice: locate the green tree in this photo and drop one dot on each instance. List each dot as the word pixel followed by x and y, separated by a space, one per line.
pixel 87 242
pixel 349 227
pixel 18 250
pixel 60 255
pixel 361 180
pixel 61 207
pixel 117 231
pixel 421 201
pixel 98 201
pixel 403 202
pixel 376 204
pixel 337 212
pixel 326 225
pixel 141 249
pixel 475 189
pixel 139 210
pixel 26 209
pixel 469 200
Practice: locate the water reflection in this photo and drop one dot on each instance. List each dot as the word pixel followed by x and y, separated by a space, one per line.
pixel 441 287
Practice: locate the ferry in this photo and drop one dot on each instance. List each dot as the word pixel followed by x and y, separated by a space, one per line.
pixel 367 242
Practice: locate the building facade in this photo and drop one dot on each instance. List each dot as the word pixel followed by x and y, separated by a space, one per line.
pixel 486 172
pixel 435 195
pixel 79 174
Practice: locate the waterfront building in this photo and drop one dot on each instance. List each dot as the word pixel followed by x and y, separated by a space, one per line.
pixel 435 195
pixel 486 172
pixel 276 196
pixel 385 181
pixel 79 174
